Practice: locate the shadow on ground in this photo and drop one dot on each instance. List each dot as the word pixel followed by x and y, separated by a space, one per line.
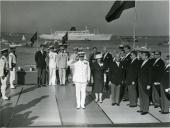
pixel 13 116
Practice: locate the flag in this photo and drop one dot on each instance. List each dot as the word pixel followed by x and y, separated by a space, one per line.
pixel 117 9
pixel 33 39
pixel 65 38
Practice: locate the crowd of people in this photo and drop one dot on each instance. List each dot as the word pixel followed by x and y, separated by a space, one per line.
pixel 131 75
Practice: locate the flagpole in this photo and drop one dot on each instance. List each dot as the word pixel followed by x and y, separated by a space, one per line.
pixel 134 27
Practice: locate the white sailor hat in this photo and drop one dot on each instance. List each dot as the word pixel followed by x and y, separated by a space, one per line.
pixel 51 47
pixel 98 56
pixel 4 50
pixel 13 46
pixel 144 49
pixel 81 54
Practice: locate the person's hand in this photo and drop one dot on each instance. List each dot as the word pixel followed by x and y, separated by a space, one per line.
pixel 3 77
pixel 156 83
pixel 133 83
pixel 166 90
pixel 110 82
pixel 148 87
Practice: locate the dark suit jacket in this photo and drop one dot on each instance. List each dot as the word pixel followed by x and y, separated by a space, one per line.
pixel 157 70
pixel 152 61
pixel 40 59
pixel 165 78
pixel 144 75
pixel 132 72
pixel 115 73
pixel 165 81
pixel 92 58
pixel 125 62
pixel 107 60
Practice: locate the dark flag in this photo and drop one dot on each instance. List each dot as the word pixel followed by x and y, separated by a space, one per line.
pixel 117 9
pixel 33 39
pixel 65 38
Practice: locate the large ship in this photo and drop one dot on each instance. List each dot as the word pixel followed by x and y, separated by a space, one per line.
pixel 73 34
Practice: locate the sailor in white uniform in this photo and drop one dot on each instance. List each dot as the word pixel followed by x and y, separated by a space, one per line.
pixel 53 60
pixel 81 77
pixel 4 72
pixel 12 66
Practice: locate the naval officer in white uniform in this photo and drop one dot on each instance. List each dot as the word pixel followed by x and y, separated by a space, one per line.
pixel 53 60
pixel 81 77
pixel 12 66
pixel 4 72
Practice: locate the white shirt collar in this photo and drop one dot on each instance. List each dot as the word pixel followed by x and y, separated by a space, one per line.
pixel 144 62
pixel 134 59
pixel 127 54
pixel 167 65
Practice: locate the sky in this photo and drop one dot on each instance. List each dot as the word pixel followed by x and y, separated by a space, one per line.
pixel 152 17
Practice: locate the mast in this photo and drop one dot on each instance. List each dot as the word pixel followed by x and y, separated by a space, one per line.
pixel 134 27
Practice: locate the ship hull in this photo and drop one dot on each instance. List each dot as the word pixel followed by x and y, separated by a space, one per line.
pixel 77 37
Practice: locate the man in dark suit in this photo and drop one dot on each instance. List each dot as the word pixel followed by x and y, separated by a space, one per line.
pixel 152 57
pixel 165 88
pixel 115 80
pixel 107 60
pixel 92 60
pixel 157 71
pixel 40 59
pixel 131 79
pixel 144 80
pixel 151 60
pixel 92 56
pixel 126 62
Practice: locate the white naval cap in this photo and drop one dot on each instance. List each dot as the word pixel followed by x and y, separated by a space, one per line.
pixel 81 53
pixel 13 46
pixel 4 50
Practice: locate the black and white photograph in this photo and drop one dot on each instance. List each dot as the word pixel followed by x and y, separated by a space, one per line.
pixel 85 64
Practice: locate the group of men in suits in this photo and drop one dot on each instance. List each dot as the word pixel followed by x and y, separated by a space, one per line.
pixel 137 74
pixel 7 69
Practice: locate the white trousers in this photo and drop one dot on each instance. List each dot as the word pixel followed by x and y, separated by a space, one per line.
pixel 12 77
pixel 62 75
pixel 52 76
pixel 3 86
pixel 80 94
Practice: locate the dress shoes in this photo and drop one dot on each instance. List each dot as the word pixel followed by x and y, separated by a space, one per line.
pixel 5 98
pixel 100 101
pixel 165 112
pixel 113 104
pixel 132 106
pixel 83 107
pixel 117 104
pixel 156 106
pixel 125 99
pixel 139 111
pixel 78 107
pixel 12 87
pixel 144 113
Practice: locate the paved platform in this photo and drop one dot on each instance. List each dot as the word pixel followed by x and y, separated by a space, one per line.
pixel 55 106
